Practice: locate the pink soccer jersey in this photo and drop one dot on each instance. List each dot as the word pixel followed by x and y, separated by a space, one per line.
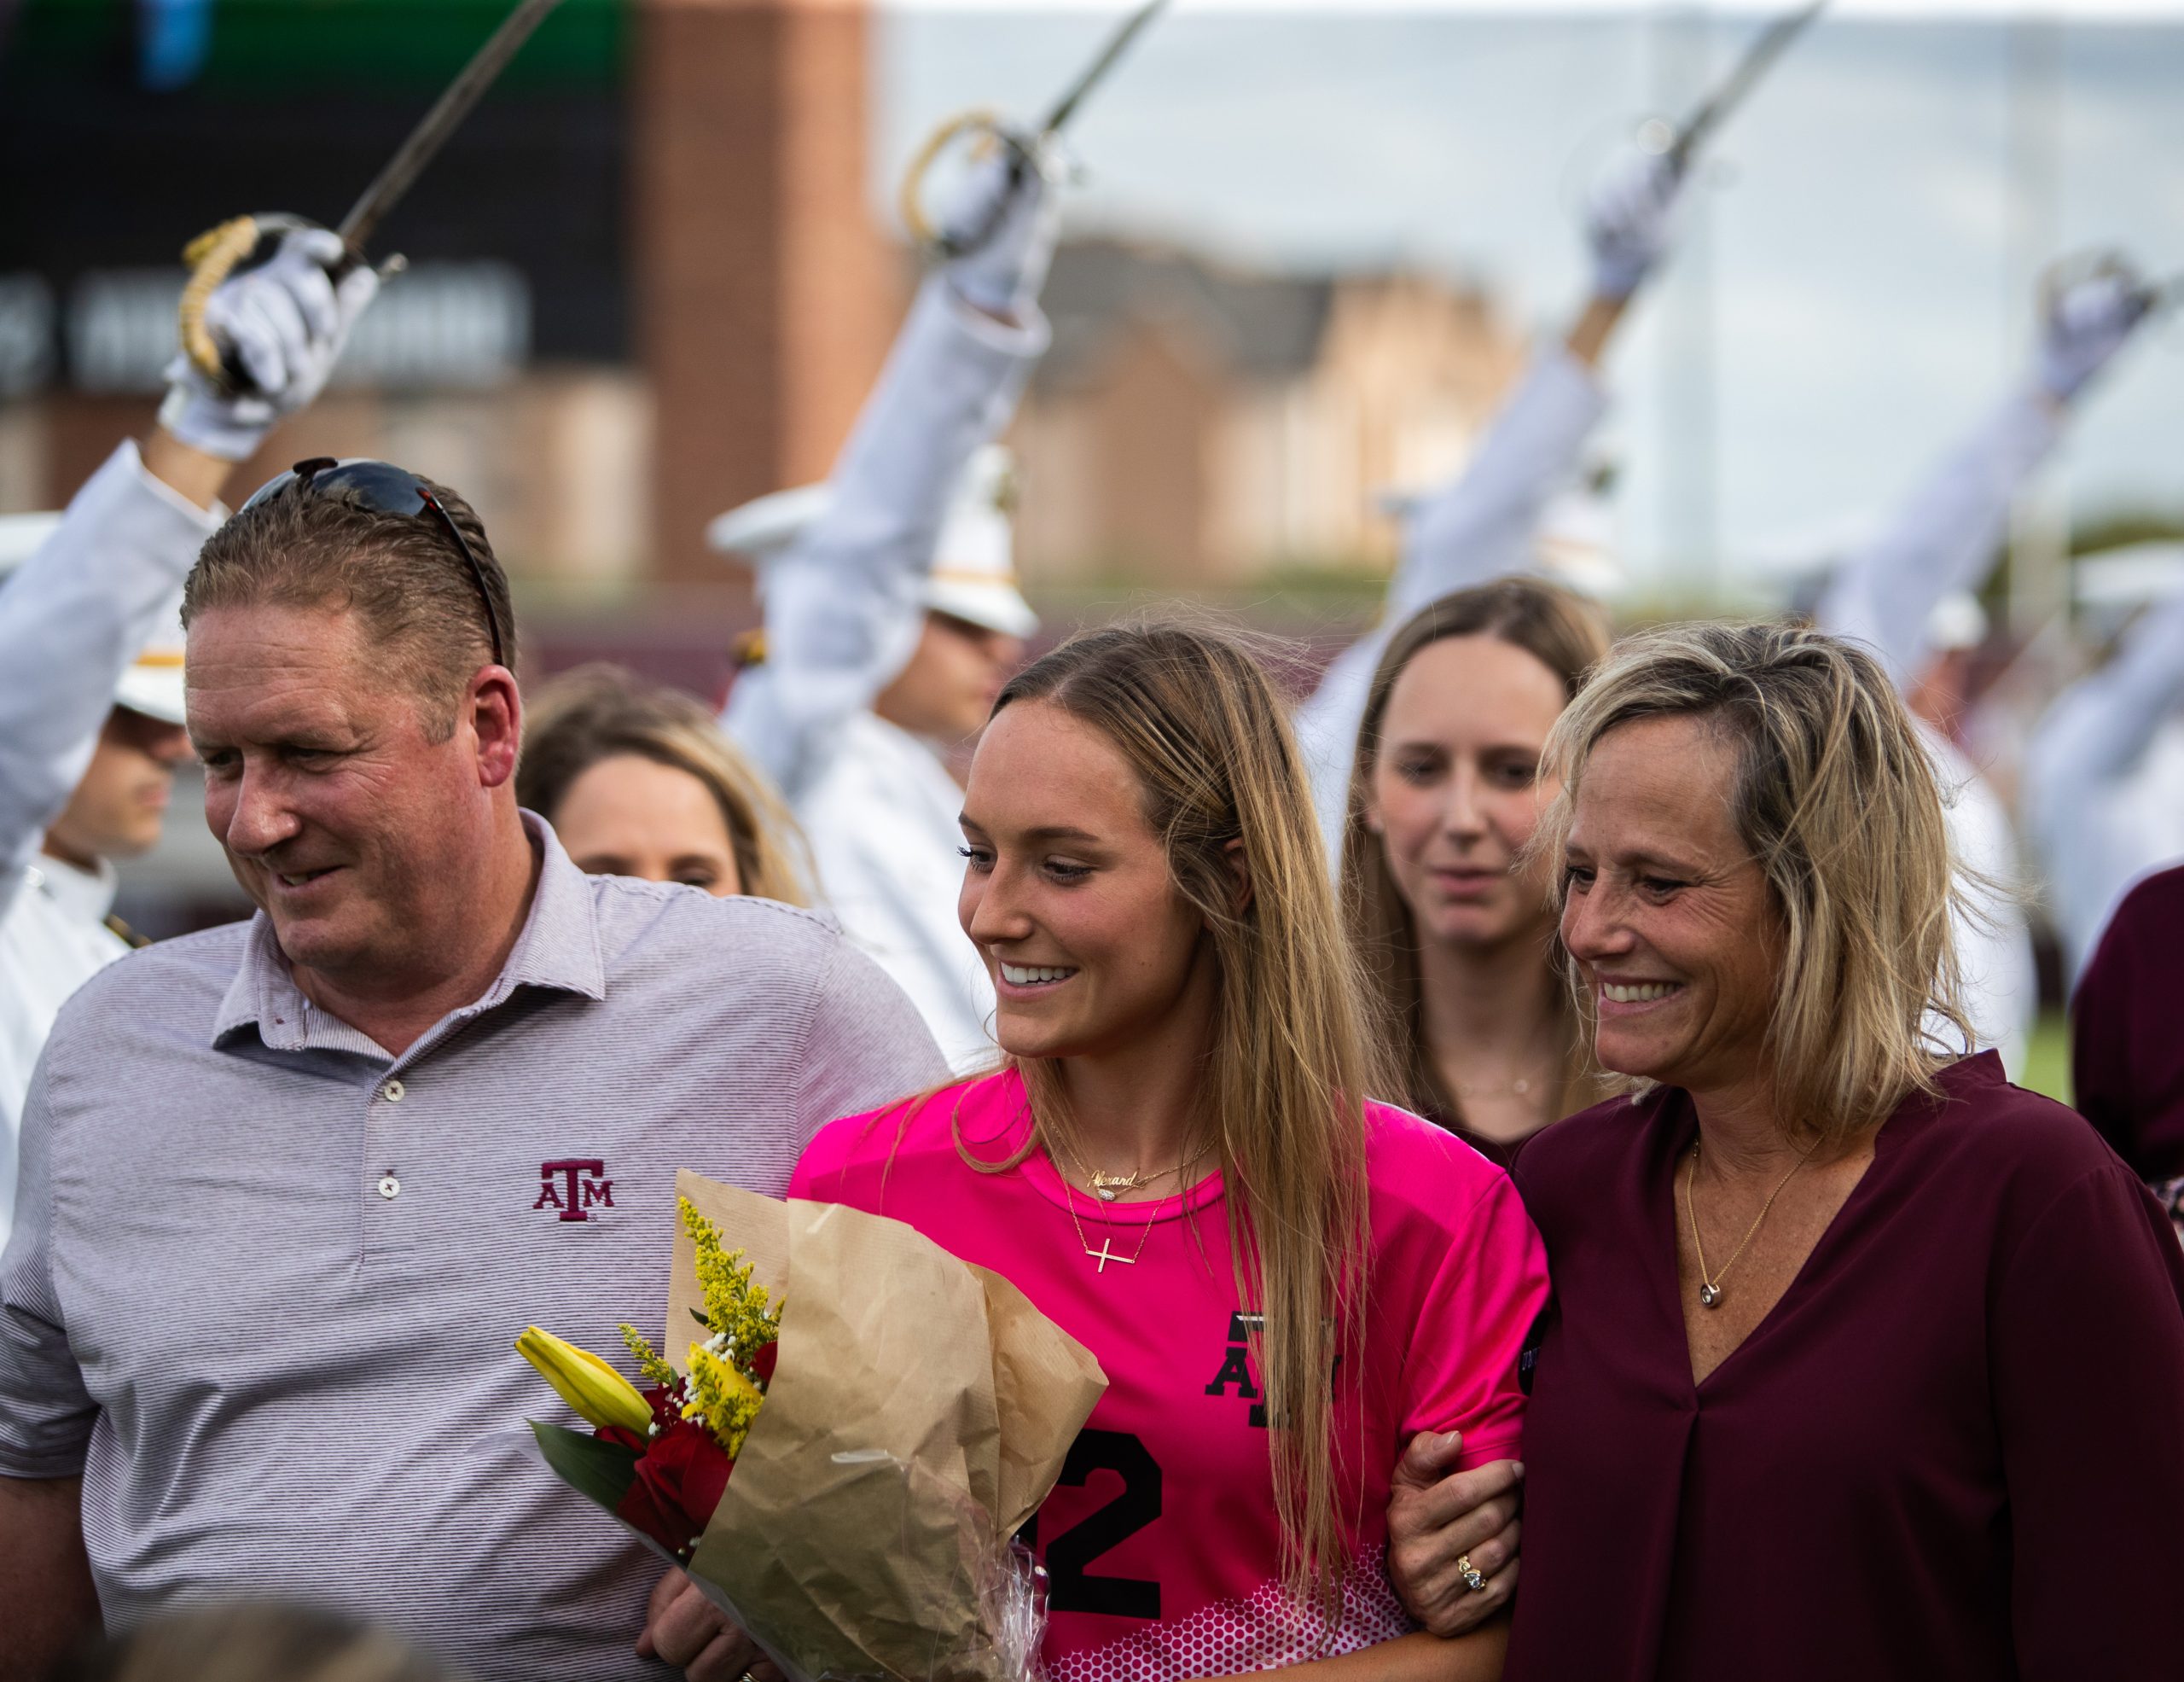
pixel 1161 1540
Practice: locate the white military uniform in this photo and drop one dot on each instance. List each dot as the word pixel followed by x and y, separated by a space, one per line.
pixel 1938 545
pixel 1484 526
pixel 912 520
pixel 89 620
pixel 2103 779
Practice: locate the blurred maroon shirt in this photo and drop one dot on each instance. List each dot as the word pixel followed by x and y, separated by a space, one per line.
pixel 1954 1451
pixel 2127 1029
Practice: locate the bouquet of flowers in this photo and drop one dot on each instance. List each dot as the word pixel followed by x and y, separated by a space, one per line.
pixel 858 1430
pixel 665 1454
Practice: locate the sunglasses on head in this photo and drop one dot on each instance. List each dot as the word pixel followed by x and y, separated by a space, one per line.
pixel 384 488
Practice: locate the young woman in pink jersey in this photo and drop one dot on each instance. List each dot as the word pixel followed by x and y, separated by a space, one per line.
pixel 1176 1160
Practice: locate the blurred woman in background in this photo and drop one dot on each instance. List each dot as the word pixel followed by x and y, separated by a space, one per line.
pixel 1455 930
pixel 638 781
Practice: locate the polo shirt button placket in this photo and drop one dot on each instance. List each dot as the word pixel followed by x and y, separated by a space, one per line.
pixel 387 1230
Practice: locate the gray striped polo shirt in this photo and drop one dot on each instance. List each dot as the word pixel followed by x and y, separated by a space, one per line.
pixel 264 1280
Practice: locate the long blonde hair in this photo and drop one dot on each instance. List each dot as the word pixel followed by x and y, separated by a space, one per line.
pixel 1566 634
pixel 1291 1061
pixel 599 711
pixel 1837 802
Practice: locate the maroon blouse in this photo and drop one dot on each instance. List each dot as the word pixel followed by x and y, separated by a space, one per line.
pixel 2127 1046
pixel 1953 1450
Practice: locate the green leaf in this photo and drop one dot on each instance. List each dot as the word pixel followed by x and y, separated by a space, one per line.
pixel 702 1319
pixel 601 1471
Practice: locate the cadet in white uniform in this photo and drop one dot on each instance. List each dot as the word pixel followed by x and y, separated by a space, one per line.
pixel 2103 779
pixel 1486 524
pixel 91 649
pixel 1913 580
pixel 892 613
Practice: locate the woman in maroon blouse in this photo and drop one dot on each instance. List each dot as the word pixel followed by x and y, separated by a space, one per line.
pixel 1864 1364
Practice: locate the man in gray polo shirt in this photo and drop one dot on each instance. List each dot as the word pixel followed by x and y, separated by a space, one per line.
pixel 291 1188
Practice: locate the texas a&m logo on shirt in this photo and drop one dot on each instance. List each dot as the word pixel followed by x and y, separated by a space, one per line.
pixel 1236 1365
pixel 575 1186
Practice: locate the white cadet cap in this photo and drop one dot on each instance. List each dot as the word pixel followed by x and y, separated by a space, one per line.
pixel 763 530
pixel 973 574
pixel 1955 622
pixel 152 685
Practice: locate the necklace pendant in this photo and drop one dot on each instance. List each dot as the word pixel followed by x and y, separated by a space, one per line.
pixel 1106 1194
pixel 1710 1296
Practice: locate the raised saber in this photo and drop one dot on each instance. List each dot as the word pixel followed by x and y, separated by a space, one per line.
pixel 1758 59
pixel 446 117
pixel 990 123
pixel 1096 72
pixel 239 243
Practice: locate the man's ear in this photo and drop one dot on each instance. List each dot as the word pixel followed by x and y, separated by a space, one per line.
pixel 493 710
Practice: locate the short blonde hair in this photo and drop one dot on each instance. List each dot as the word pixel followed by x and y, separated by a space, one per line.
pixel 1836 799
pixel 601 712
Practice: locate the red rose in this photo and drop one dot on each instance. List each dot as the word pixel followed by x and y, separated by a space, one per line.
pixel 762 1364
pixel 665 1413
pixel 681 1476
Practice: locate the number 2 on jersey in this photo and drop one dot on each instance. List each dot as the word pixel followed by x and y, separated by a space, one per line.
pixel 1070 1587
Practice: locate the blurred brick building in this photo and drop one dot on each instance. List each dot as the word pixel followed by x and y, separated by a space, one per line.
pixel 1200 423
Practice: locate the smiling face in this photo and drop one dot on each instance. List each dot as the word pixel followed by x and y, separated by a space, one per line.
pixel 361 838
pixel 631 816
pixel 1455 791
pixel 1068 897
pixel 1671 917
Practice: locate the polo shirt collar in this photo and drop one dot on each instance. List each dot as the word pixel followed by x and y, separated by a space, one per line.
pixel 558 950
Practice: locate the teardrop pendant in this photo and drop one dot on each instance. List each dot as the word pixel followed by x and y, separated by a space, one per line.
pixel 1710 1296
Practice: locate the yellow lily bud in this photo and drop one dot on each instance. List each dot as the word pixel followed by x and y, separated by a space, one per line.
pixel 586 1382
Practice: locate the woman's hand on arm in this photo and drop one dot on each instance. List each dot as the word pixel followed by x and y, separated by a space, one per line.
pixel 1438 1518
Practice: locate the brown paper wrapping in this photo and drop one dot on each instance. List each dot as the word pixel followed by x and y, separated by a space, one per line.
pixel 919 1413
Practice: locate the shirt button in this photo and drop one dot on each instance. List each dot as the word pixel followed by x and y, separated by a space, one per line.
pixel 390 1187
pixel 393 1093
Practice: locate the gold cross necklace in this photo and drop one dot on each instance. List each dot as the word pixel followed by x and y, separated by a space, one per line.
pixel 1106 1252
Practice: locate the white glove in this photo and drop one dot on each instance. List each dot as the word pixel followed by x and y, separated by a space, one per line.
pixel 2088 322
pixel 1629 220
pixel 286 322
pixel 1010 197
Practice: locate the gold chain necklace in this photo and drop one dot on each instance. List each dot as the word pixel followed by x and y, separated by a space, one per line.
pixel 1709 1284
pixel 1106 1252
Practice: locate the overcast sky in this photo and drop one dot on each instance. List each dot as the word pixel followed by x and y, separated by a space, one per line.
pixel 1855 277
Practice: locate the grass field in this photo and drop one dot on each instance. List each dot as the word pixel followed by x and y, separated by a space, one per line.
pixel 2048 1058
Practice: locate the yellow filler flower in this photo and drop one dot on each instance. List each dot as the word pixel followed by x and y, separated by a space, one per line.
pixel 586 1382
